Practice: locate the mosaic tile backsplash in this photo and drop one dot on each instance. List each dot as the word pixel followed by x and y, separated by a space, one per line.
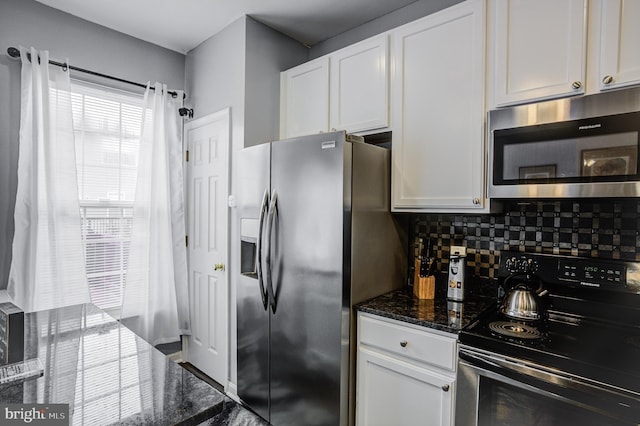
pixel 607 229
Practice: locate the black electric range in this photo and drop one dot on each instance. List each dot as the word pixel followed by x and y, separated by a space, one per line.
pixel 589 328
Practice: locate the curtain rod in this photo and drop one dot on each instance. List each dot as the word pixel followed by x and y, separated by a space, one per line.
pixel 15 53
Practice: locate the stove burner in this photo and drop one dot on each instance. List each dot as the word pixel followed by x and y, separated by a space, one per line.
pixel 514 329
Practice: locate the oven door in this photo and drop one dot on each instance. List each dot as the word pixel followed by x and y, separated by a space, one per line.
pixel 494 390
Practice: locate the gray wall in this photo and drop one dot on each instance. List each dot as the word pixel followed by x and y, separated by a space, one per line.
pixel 239 67
pixel 86 45
pixel 215 75
pixel 384 23
pixel 268 52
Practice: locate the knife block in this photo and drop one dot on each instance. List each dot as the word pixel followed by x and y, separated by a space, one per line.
pixel 425 287
pixel 416 272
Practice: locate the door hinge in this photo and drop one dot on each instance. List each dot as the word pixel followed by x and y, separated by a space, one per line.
pixel 186 240
pixel 187 156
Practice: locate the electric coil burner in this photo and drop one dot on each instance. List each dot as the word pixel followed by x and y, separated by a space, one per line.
pixel 579 363
pixel 515 329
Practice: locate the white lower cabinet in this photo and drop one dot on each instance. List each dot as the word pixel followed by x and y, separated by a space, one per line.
pixel 405 374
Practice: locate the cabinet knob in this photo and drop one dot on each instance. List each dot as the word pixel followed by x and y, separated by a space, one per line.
pixel 576 84
pixel 445 388
pixel 476 201
pixel 403 343
pixel 607 79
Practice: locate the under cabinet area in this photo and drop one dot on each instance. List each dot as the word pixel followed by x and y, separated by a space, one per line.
pixel 438 111
pixel 556 48
pixel 406 375
pixel 346 90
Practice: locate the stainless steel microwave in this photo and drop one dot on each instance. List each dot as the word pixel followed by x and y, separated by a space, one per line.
pixel 567 148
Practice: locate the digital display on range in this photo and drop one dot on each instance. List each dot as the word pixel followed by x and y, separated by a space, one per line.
pixel 592 274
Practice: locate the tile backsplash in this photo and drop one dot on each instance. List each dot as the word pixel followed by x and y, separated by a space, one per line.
pixel 606 229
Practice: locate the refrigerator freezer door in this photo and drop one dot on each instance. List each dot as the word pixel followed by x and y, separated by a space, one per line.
pixel 252 315
pixel 308 272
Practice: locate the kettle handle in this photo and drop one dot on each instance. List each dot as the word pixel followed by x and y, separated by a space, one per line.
pixel 540 291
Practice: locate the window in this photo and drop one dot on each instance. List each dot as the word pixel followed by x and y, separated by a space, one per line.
pixel 107 126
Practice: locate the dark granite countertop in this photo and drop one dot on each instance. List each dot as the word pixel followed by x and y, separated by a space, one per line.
pixel 439 313
pixel 108 375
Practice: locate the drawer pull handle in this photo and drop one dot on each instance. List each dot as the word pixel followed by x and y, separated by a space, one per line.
pixel 403 343
pixel 445 388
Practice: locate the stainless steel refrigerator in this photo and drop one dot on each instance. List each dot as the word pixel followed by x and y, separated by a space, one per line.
pixel 317 237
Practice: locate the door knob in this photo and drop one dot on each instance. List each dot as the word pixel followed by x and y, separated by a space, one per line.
pixel 218 267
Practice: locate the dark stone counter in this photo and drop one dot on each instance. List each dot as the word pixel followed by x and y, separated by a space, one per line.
pixel 108 375
pixel 438 313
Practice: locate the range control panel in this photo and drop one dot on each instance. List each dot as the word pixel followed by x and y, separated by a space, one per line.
pixel 592 273
pixel 616 275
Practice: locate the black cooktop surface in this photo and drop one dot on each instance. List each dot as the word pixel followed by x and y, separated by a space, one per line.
pixel 596 349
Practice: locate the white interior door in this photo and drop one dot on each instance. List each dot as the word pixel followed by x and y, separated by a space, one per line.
pixel 207 140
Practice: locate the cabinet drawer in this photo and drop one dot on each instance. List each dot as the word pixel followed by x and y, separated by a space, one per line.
pixel 409 342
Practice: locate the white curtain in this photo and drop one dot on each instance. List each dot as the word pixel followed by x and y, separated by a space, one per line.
pixel 47 266
pixel 155 302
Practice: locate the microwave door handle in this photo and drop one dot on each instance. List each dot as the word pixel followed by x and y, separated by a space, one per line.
pixel 560 387
pixel 259 247
pixel 273 207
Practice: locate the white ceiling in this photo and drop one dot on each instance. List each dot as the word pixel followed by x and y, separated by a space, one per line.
pixel 181 25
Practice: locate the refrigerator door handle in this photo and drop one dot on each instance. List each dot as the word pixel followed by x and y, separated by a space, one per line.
pixel 263 211
pixel 267 258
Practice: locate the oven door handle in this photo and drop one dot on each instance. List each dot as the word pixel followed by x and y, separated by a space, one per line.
pixel 571 389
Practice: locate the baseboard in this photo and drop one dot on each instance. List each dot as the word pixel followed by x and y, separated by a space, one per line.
pixel 176 357
pixel 232 391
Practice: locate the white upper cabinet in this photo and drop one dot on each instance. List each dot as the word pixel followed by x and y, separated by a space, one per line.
pixel 437 111
pixel 346 90
pixel 619 44
pixel 304 99
pixel 360 86
pixel 540 49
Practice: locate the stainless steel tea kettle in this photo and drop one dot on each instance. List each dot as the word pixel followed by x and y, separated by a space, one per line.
pixel 522 302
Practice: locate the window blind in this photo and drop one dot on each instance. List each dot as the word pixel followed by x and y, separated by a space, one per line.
pixel 107 127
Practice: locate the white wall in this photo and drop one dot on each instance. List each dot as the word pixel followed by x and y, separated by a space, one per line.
pixel 86 45
pixel 239 67
pixel 376 26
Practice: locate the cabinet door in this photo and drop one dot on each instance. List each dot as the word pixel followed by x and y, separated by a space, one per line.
pixel 438 111
pixel 540 49
pixel 360 86
pixel 305 99
pixel 392 392
pixel 619 51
